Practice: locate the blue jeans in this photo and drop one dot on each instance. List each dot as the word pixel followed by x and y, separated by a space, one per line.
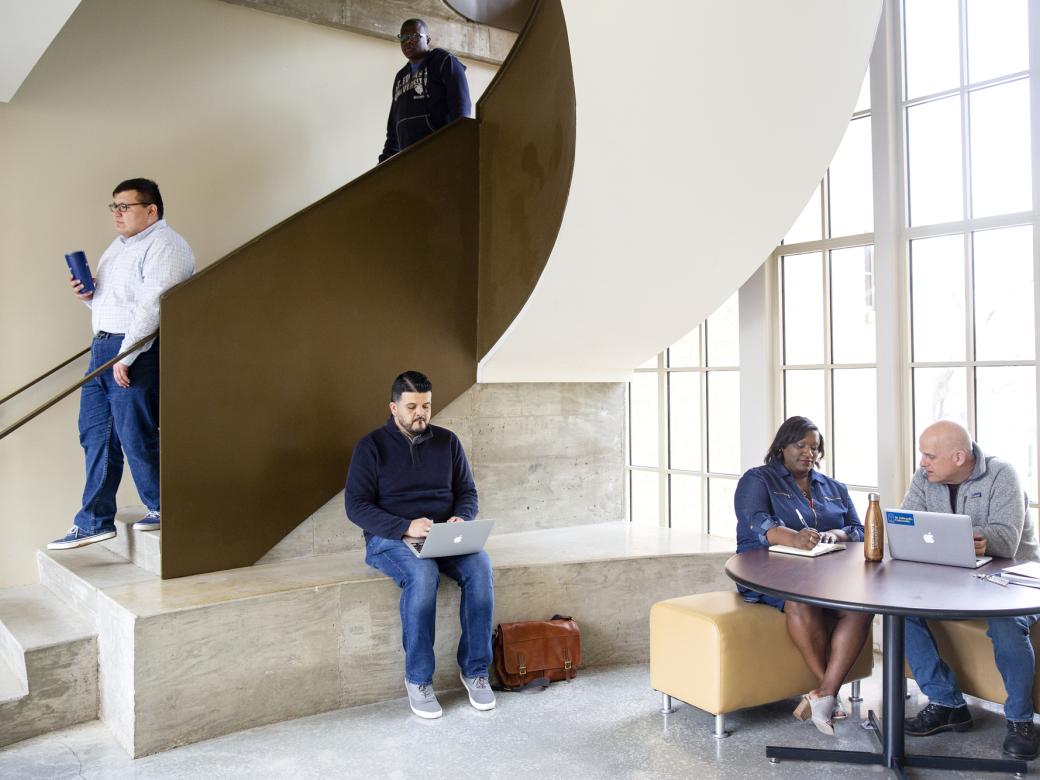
pixel 114 420
pixel 1011 648
pixel 418 579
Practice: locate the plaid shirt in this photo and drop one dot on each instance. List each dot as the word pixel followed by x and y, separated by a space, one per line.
pixel 131 276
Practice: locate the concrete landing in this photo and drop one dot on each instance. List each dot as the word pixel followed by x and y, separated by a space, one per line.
pixel 48 665
pixel 193 658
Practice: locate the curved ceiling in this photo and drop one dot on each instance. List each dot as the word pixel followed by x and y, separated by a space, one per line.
pixel 26 30
pixel 702 129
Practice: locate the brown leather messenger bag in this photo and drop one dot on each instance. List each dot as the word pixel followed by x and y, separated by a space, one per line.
pixel 534 653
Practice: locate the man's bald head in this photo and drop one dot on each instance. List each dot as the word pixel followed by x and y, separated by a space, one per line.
pixel 946 452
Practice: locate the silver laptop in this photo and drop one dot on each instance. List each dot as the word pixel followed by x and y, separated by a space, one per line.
pixel 452 539
pixel 931 537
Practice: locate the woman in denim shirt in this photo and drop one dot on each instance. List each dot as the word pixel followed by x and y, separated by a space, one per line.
pixel 788 502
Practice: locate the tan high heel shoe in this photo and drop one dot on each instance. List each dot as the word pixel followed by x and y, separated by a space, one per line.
pixel 804 709
pixel 818 708
pixel 822 713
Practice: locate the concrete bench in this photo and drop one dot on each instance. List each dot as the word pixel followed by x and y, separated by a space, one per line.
pixel 193 658
pixel 968 652
pixel 706 650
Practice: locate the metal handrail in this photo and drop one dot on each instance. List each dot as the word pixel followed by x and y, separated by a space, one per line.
pixel 69 391
pixel 43 376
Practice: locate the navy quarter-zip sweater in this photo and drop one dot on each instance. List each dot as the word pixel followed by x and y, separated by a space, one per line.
pixel 392 480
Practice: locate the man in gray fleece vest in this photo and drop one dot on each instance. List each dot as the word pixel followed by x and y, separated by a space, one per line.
pixel 955 476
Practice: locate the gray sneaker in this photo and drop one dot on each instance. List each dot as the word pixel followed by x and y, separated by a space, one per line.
pixel 423 700
pixel 480 694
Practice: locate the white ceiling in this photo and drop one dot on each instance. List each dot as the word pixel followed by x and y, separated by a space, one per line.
pixel 703 128
pixel 27 28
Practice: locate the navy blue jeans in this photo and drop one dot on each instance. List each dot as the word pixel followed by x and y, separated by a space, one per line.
pixel 114 420
pixel 1012 651
pixel 418 579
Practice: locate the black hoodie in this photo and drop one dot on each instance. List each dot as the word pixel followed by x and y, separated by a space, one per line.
pixel 434 95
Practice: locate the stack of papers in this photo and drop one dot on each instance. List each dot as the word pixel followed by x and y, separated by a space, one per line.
pixel 1027 574
pixel 820 549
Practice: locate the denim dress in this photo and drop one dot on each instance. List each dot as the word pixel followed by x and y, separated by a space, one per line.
pixel 768 497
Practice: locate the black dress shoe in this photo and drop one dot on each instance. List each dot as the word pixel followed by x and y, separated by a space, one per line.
pixel 935 718
pixel 1022 740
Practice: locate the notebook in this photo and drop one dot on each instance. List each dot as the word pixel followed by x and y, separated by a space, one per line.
pixel 820 549
pixel 931 537
pixel 452 539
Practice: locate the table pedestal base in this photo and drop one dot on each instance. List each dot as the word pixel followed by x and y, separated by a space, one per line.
pixel 889 732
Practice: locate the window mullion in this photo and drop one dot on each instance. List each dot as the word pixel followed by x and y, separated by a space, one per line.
pixel 663 448
pixel 1034 115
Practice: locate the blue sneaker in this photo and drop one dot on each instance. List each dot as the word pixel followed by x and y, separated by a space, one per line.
pixel 150 522
pixel 76 537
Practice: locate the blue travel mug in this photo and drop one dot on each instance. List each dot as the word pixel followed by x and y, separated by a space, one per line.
pixel 80 269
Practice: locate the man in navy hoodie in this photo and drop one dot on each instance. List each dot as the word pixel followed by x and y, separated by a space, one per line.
pixel 429 92
pixel 403 478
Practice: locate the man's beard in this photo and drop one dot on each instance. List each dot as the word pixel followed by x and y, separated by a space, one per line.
pixel 415 428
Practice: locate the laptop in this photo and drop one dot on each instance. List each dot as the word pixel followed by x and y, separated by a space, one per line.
pixel 931 537
pixel 452 539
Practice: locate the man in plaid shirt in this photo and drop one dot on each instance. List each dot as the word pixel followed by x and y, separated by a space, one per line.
pixel 119 409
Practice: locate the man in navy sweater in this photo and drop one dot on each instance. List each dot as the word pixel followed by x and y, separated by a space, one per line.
pixel 403 478
pixel 429 92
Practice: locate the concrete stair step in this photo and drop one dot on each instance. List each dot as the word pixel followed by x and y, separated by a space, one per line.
pixel 142 548
pixel 77 576
pixel 12 688
pixel 48 665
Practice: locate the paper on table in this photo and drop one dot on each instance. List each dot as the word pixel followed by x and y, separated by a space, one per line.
pixel 1015 579
pixel 1028 569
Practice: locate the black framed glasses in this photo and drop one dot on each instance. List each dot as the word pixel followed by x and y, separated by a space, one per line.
pixel 410 37
pixel 122 208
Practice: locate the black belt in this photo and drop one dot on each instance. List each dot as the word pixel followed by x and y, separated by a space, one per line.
pixel 103 334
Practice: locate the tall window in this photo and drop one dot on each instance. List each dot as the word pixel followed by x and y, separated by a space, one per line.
pixel 684 430
pixel 971 223
pixel 828 330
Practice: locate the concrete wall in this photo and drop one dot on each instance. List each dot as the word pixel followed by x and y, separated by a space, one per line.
pixel 543 456
pixel 242 117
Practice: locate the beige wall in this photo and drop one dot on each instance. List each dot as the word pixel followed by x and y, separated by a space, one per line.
pixel 242 117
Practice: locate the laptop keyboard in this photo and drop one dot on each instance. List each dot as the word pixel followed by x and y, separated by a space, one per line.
pixel 417 546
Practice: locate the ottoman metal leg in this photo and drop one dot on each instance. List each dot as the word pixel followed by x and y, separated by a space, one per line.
pixel 855 695
pixel 720 726
pixel 666 704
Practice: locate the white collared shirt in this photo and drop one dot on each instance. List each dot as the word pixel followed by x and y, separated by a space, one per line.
pixel 131 276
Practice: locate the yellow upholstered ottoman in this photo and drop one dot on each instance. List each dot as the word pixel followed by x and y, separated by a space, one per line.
pixel 707 651
pixel 966 649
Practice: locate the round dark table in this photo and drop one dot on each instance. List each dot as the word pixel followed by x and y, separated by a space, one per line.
pixel 895 590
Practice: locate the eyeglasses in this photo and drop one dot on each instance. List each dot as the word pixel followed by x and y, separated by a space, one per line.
pixel 409 37
pixel 122 208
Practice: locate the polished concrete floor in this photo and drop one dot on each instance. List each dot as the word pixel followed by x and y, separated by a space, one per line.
pixel 605 724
